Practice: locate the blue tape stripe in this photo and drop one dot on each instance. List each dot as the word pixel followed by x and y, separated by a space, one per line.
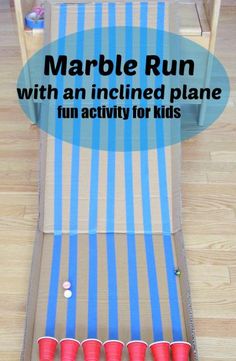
pixel 53 289
pixel 74 193
pixel 111 251
pixel 165 214
pixel 131 242
pixel 150 253
pixel 56 257
pixel 93 207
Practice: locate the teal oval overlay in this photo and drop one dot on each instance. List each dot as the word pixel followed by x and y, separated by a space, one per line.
pixel 123 89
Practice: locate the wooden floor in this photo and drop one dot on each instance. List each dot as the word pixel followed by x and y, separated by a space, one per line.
pixel 209 207
pixel 209 216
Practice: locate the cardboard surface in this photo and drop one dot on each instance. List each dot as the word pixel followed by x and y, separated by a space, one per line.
pixel 173 184
pixel 42 266
pixel 172 153
pixel 122 284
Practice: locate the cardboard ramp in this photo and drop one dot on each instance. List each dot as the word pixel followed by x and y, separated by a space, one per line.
pixel 110 224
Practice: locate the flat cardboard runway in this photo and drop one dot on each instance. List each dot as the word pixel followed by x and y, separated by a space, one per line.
pixel 41 302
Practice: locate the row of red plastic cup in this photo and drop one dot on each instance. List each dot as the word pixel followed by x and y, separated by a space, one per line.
pixel 161 351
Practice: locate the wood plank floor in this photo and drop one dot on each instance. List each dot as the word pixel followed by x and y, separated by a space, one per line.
pixel 209 207
pixel 209 216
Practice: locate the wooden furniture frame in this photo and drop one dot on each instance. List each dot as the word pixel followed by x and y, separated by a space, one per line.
pixel 202 29
pixel 30 40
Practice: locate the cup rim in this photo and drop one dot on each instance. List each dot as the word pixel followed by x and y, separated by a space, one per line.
pixel 118 341
pixel 158 342
pixel 181 342
pixel 91 339
pixel 137 341
pixel 69 339
pixel 47 337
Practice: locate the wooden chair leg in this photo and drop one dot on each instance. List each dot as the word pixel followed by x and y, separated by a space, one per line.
pixel 202 114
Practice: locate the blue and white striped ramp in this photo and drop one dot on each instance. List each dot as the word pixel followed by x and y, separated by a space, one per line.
pixel 110 224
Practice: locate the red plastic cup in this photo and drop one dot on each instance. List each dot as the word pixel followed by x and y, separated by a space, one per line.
pixel 69 349
pixel 180 351
pixel 160 351
pixel 137 350
pixel 113 350
pixel 47 348
pixel 92 349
